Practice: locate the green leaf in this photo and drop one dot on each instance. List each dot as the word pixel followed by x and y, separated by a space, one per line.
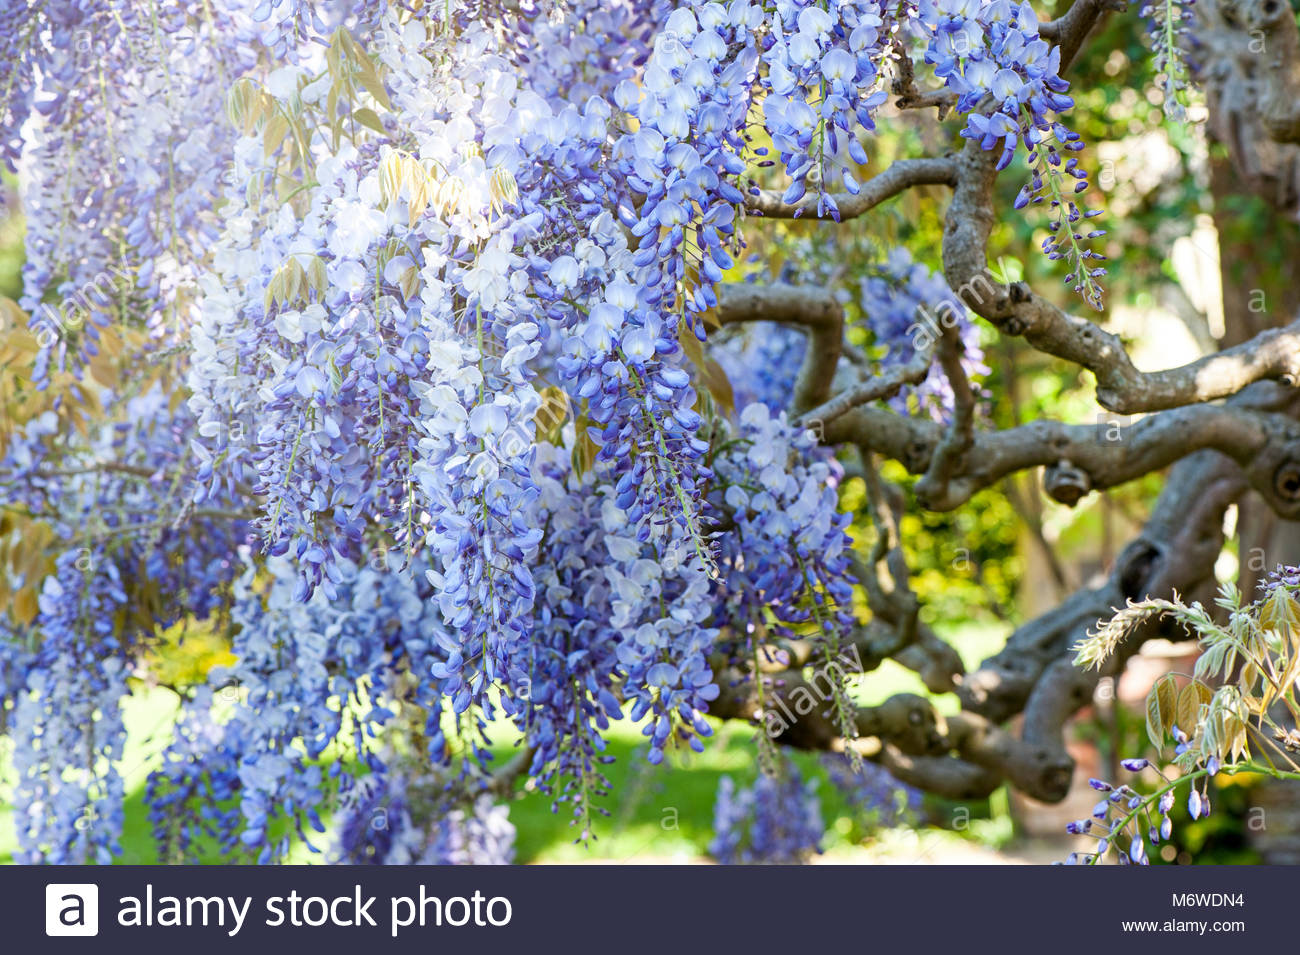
pixel 1280 612
pixel 409 282
pixel 369 118
pixel 25 605
pixel 277 127
pixel 316 277
pixel 332 111
pixel 1189 708
pixel 584 449
pixel 1162 704
pixel 552 413
pixel 369 77
pixel 366 71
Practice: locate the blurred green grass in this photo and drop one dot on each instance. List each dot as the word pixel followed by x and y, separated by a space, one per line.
pixel 662 813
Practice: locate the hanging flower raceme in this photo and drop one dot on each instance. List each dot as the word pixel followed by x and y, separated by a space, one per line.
pixel 682 166
pixel 789 539
pixel 1169 31
pixel 875 797
pixel 1007 80
pixel 386 821
pixel 777 821
pixel 123 165
pixel 1128 825
pixel 785 562
pixel 587 52
pixel 388 346
pixel 478 835
pixel 573 666
pixel 760 360
pixel 475 428
pixel 127 571
pixel 298 669
pixel 638 631
pixel 23 50
pixel 823 87
pixel 193 794
pixel 685 159
pixel 290 24
pixel 67 719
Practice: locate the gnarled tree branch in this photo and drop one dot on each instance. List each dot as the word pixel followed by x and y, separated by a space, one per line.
pixel 820 314
pixel 902 174
pixel 967 755
pixel 1016 309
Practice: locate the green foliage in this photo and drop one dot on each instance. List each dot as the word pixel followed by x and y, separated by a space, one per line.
pixel 1253 660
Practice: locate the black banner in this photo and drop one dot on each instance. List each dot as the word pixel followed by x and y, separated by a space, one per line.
pixel 195 909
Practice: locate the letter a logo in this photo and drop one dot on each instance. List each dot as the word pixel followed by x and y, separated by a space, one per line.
pixel 71 909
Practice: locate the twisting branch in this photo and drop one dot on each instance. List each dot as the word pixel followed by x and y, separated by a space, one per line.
pixel 905 88
pixel 1015 309
pixel 811 306
pixel 814 309
pixel 918 647
pixel 957 440
pixel 1254 432
pixel 902 174
pixel 501 782
pixel 1265 443
pixel 1071 28
pixel 967 755
pixel 895 604
pixel 1175 552
pixel 1272 354
pixel 876 388
pixel 943 100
